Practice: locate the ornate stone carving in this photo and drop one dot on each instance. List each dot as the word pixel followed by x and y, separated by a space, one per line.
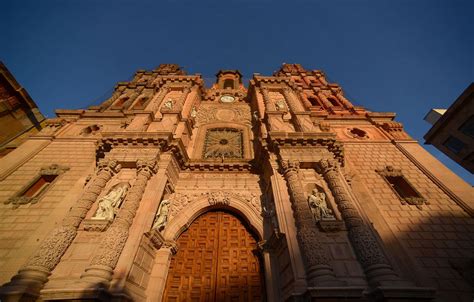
pixel 109 204
pixel 193 112
pixel 280 105
pixel 156 239
pixel 113 240
pixel 162 214
pixel 47 256
pixel 211 113
pixel 319 271
pixel 169 69
pixel 168 105
pixel 95 225
pixel 368 251
pixel 219 197
pixel 223 143
pixel 171 245
pixel 179 201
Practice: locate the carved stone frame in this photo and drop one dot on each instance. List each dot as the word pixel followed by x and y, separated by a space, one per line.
pixel 18 200
pixel 390 171
pixel 247 151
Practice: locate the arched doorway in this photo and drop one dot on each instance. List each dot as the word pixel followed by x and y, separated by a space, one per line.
pixel 216 261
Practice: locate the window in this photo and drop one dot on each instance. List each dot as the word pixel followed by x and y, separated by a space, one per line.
pixel 313 101
pixel 468 127
pixel 358 133
pixel 333 101
pixel 401 187
pixel 229 84
pixel 39 185
pixel 34 190
pixel 454 144
pixel 119 103
pixel 90 130
pixel 140 104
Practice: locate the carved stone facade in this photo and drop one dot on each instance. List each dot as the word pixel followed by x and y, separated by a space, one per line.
pixel 333 202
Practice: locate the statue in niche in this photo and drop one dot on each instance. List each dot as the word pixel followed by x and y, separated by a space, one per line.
pixel 193 112
pixel 162 215
pixel 109 203
pixel 280 105
pixel 319 207
pixel 169 104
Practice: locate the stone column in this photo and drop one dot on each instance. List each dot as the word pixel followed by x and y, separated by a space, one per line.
pixel 304 97
pixel 324 99
pixel 266 99
pixel 31 278
pixel 344 100
pixel 319 272
pixel 159 273
pixel 182 99
pixel 289 99
pixel 161 95
pixel 368 250
pixel 104 261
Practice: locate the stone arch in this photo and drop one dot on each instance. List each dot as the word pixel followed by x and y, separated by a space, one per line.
pixel 236 205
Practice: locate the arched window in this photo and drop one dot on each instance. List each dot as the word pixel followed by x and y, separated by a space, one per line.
pixel 313 101
pixel 140 103
pixel 333 101
pixel 229 84
pixel 119 103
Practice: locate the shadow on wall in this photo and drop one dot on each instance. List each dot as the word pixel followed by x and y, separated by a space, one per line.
pixel 104 292
pixel 442 245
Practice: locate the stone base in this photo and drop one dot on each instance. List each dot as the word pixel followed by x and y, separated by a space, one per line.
pixel 331 225
pixel 395 294
pixel 86 294
pixel 331 294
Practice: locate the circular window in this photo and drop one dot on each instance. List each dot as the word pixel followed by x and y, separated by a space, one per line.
pixel 357 133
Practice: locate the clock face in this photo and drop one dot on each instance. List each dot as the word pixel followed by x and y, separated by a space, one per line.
pixel 227 99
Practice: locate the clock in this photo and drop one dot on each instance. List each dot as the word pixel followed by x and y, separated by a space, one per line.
pixel 227 99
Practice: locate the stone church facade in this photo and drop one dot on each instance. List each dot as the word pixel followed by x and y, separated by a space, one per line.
pixel 279 191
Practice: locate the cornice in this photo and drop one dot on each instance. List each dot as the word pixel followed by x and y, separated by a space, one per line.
pixel 284 140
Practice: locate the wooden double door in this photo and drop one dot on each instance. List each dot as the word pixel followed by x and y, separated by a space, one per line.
pixel 216 261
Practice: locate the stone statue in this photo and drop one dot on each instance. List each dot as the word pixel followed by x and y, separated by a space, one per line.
pixel 280 105
pixel 319 207
pixel 169 104
pixel 109 203
pixel 162 215
pixel 193 112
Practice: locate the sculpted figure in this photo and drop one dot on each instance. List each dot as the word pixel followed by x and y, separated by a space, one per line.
pixel 280 105
pixel 318 205
pixel 193 112
pixel 162 215
pixel 109 203
pixel 169 104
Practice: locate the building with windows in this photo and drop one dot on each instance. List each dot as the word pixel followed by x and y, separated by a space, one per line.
pixel 19 115
pixel 453 129
pixel 279 191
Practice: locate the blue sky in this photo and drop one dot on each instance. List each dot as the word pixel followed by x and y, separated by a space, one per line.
pixel 405 56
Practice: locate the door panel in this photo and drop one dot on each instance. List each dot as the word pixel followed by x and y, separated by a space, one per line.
pixel 215 262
